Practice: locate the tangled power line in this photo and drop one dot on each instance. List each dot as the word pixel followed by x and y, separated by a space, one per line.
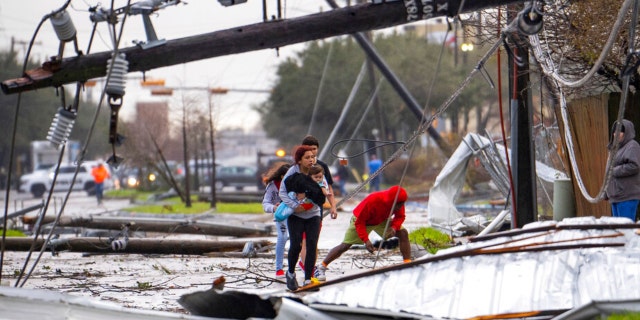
pixel 544 60
pixel 550 70
pixel 61 127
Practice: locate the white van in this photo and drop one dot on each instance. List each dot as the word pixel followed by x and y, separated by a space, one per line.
pixel 38 183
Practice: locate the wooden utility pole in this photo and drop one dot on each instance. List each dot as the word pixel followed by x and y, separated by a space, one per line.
pixel 260 36
pixel 165 225
pixel 522 148
pixel 132 245
pixel 23 43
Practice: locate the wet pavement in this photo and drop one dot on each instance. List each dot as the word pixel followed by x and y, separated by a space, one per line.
pixel 156 282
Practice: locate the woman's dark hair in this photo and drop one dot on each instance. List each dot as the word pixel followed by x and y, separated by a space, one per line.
pixel 300 152
pixel 276 172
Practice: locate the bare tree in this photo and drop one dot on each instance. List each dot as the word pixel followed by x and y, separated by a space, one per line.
pixel 573 36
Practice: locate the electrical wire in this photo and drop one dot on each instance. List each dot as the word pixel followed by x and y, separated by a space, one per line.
pixel 550 70
pixel 424 112
pixel 320 87
pixel 426 124
pixel 378 143
pixel 423 127
pixel 15 128
pixel 356 129
pixel 502 126
pixel 83 152
pixel 347 106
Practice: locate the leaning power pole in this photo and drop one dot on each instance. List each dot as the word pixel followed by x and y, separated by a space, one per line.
pixel 260 36
pixel 272 34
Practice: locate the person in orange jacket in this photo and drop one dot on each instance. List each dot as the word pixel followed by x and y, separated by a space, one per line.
pixel 99 174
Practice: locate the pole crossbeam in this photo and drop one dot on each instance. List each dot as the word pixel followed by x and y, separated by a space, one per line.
pixel 260 36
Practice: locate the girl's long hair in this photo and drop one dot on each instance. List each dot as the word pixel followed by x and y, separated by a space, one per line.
pixel 276 172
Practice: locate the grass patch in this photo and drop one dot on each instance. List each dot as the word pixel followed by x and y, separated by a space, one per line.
pixel 168 206
pixel 175 205
pixel 625 316
pixel 128 194
pixel 14 233
pixel 431 239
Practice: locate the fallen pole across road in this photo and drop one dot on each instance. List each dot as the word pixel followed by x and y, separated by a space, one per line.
pixel 130 245
pixel 188 226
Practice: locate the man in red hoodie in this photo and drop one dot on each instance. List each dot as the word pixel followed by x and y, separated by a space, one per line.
pixel 372 214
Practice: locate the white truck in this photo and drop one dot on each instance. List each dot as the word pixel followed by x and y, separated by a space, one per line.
pixel 44 156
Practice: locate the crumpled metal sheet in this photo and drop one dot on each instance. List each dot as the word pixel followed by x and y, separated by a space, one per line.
pixel 448 184
pixel 544 266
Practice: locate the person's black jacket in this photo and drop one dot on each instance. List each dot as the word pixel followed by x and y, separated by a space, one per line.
pixel 300 182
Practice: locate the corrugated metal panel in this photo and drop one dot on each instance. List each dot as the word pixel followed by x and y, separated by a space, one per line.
pixel 547 267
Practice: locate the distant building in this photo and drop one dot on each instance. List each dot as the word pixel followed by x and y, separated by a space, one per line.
pixel 233 146
pixel 236 145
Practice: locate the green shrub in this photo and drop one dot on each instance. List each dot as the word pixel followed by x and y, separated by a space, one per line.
pixel 431 239
pixel 625 316
pixel 14 233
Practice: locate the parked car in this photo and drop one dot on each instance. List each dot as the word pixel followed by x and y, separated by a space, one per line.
pixel 203 170
pixel 39 182
pixel 266 164
pixel 148 178
pixel 235 176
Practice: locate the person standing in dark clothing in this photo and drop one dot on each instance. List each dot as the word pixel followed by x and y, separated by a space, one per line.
pixel 623 190
pixel 374 165
pixel 343 174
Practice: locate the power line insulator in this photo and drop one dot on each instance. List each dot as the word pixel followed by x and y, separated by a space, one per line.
pixel 61 127
pixel 117 81
pixel 62 24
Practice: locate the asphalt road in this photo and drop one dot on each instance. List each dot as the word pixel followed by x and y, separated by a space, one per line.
pixel 78 203
pixel 117 278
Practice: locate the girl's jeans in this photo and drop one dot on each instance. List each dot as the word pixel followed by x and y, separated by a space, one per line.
pixel 283 236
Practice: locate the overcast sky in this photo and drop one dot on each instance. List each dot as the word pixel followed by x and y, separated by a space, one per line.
pixel 253 70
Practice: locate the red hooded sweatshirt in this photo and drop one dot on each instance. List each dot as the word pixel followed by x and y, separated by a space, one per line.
pixel 376 208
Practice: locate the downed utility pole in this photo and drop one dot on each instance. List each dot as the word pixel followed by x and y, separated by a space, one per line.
pixel 131 245
pixel 23 211
pixel 187 226
pixel 266 35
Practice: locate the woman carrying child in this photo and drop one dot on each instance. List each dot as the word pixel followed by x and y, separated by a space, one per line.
pixel 303 220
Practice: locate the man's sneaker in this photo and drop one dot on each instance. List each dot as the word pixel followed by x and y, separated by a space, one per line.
pixel 280 274
pixel 301 265
pixel 292 283
pixel 319 273
pixel 310 282
pixel 391 243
